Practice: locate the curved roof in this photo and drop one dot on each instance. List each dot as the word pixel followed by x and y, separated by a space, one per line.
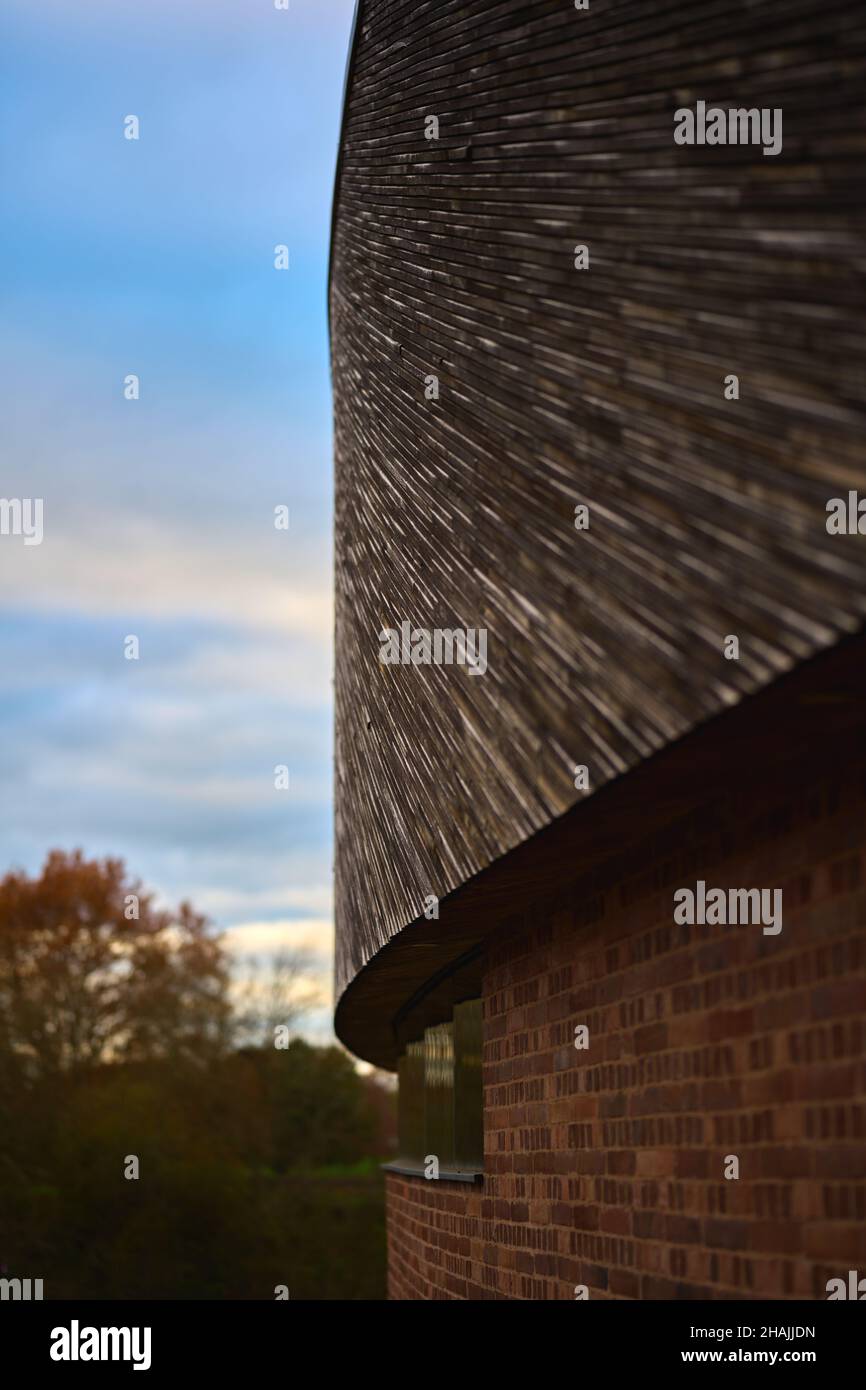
pixel 556 387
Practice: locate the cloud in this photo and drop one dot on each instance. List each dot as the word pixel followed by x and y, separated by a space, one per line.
pixel 312 934
pixel 133 568
pixel 165 507
pixel 231 903
pixel 169 762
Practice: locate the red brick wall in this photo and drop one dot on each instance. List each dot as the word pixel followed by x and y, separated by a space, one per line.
pixel 605 1167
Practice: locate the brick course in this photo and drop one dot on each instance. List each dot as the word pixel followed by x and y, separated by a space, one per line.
pixel 605 1167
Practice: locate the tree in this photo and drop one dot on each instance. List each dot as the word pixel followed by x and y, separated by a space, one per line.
pixel 321 1114
pixel 92 971
pixel 276 996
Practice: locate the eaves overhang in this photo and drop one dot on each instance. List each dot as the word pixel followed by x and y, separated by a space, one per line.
pixel 417 977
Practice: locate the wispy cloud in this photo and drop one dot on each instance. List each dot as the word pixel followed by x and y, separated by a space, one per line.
pixel 310 934
pixel 141 569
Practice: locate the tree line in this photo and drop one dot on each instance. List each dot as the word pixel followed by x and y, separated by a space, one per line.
pixel 123 1034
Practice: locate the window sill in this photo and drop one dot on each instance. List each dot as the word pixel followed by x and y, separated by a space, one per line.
pixel 407 1169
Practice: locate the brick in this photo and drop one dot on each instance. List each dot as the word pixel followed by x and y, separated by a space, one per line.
pixel 728 1235
pixel 611 1173
pixel 836 1240
pixel 841 998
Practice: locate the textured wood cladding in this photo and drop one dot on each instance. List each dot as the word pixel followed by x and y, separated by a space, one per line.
pixel 557 387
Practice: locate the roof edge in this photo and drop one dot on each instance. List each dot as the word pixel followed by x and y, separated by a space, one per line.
pixel 338 166
pixel 416 977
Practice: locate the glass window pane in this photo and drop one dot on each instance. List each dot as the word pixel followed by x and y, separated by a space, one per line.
pixel 439 1092
pixel 410 1107
pixel 468 1098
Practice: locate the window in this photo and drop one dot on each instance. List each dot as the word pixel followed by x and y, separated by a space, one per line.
pixel 440 1102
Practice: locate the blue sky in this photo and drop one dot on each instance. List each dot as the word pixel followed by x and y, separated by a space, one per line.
pixel 156 257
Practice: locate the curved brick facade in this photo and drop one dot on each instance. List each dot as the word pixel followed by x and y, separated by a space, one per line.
pixel 605 1168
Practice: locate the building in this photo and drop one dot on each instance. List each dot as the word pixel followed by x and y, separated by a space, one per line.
pixel 601 767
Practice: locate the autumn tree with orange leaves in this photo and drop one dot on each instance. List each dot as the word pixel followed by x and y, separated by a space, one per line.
pixel 92 971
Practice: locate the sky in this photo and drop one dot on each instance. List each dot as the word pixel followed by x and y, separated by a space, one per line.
pixel 155 258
